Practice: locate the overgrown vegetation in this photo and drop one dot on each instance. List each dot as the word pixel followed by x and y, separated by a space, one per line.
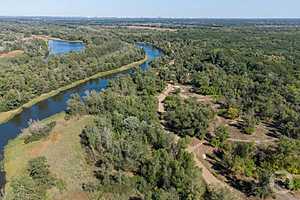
pixel 187 117
pixel 34 185
pixel 130 149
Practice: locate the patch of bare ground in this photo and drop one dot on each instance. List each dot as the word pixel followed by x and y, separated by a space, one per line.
pixel 11 54
pixel 162 96
pixel 74 195
pixel 260 136
pixel 38 37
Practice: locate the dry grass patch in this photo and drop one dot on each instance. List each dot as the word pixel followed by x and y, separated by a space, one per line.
pixel 11 54
pixel 63 151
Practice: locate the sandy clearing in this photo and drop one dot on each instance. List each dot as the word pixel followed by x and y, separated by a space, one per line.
pixel 11 54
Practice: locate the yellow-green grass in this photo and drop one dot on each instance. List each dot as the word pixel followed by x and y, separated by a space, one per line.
pixel 6 116
pixel 64 154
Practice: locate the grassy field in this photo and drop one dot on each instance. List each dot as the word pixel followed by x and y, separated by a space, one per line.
pixel 6 116
pixel 64 153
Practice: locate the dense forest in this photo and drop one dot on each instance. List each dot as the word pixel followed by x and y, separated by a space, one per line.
pixel 35 72
pixel 251 73
pixel 254 80
pixel 132 153
pixel 253 70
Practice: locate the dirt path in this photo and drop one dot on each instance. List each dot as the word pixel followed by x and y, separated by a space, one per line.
pixel 271 141
pixel 169 89
pixel 195 147
pixel 208 177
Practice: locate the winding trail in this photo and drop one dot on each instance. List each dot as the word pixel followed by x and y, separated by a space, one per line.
pixel 199 150
pixel 195 147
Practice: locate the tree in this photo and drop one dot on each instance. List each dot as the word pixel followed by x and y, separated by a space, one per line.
pixel 249 124
pixel 188 117
pixel 232 113
pixel 75 106
pixel 263 189
pixel 39 171
pixel 221 135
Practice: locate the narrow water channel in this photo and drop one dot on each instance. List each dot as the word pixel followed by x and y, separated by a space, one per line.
pixel 58 103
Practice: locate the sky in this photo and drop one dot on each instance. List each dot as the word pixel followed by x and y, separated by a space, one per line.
pixel 153 8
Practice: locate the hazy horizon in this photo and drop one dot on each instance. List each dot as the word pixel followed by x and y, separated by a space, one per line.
pixel 152 9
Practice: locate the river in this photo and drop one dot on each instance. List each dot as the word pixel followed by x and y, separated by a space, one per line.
pixel 58 103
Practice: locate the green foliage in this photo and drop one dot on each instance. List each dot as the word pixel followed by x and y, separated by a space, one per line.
pixel 38 170
pixel 294 184
pixel 75 106
pixel 284 157
pixel 221 135
pixel 188 117
pixel 30 75
pixel 34 185
pixel 259 75
pixel 239 158
pixel 263 189
pixel 232 113
pixel 249 124
pixel 129 147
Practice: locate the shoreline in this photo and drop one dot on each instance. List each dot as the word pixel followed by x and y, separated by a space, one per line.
pixel 8 115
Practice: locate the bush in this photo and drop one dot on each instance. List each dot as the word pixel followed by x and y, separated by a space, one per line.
pixel 222 134
pixel 232 113
pixel 249 124
pixel 294 184
pixel 39 171
pixel 38 131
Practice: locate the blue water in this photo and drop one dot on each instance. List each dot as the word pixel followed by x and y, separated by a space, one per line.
pixel 58 103
pixel 58 47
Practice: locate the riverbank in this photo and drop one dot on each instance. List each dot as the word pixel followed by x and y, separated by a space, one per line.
pixel 63 151
pixel 6 116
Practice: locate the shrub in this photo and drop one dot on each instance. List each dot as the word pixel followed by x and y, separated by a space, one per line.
pixel 249 124
pixel 232 113
pixel 294 184
pixel 39 171
pixel 38 131
pixel 222 135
